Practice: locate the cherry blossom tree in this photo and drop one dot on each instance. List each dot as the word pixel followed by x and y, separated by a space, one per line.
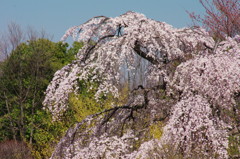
pixel 113 47
pixel 201 76
pixel 222 17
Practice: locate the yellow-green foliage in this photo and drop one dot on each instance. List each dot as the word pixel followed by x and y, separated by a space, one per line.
pixel 123 95
pixel 47 134
pixel 83 104
pixel 155 130
pixel 234 144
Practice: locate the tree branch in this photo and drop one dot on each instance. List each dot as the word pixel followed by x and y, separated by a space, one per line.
pixel 138 50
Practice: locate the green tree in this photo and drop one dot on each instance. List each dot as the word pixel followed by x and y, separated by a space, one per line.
pixel 24 77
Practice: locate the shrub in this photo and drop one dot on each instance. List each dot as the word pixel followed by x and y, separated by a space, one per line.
pixel 11 149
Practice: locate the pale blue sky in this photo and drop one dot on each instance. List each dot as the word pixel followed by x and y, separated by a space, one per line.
pixel 56 16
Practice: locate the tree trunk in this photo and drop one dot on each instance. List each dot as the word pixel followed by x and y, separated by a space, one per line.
pixel 10 118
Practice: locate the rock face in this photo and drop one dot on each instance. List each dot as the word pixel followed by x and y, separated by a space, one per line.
pixel 187 105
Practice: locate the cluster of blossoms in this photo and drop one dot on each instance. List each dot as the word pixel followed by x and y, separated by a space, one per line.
pixel 193 128
pixel 114 48
pixel 206 76
pixel 216 77
pixel 106 147
pixel 63 83
pixel 90 143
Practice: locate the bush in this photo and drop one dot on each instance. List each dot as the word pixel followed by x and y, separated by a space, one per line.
pixel 11 149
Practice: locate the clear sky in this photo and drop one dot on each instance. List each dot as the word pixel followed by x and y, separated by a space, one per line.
pixel 56 16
